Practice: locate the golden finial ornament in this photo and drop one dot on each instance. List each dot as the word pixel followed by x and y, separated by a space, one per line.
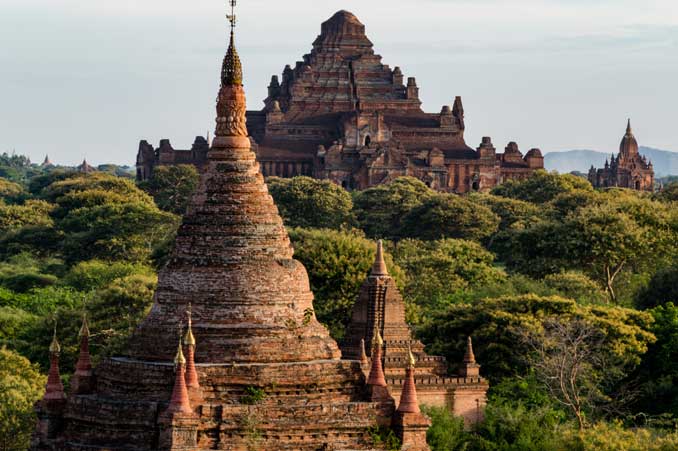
pixel 231 70
pixel 410 357
pixel 55 347
pixel 189 339
pixel 179 359
pixel 84 329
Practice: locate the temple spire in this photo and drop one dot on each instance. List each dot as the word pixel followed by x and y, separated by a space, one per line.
pixel 408 399
pixel 179 402
pixel 376 376
pixel 231 71
pixel 189 340
pixel 54 390
pixel 629 131
pixel 469 357
pixel 379 266
pixel 82 379
pixel 363 354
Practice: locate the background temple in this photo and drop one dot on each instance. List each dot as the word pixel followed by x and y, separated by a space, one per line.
pixel 628 170
pixel 341 114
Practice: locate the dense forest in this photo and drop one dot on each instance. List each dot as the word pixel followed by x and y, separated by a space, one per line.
pixel 567 291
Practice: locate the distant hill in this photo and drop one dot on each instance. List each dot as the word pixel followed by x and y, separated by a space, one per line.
pixel 665 162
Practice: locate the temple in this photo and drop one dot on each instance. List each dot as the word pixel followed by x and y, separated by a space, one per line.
pixel 379 311
pixel 629 170
pixel 343 115
pixel 231 356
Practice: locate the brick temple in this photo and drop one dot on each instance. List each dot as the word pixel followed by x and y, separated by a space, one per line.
pixel 380 308
pixel 629 170
pixel 343 115
pixel 231 356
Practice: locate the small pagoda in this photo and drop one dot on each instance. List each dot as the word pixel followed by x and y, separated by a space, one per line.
pixel 380 311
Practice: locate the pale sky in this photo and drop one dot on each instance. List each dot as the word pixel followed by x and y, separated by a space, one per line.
pixel 90 78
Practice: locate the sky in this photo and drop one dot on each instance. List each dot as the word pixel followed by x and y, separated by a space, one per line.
pixel 89 79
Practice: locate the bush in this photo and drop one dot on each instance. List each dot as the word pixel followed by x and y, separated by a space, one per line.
pixel 446 432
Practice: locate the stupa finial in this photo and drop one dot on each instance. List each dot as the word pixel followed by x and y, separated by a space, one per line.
pixel 379 266
pixel 231 71
pixel 189 339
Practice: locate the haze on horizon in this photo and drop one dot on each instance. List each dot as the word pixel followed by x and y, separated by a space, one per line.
pixel 90 79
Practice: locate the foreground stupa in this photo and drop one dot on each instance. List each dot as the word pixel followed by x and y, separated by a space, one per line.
pixel 253 370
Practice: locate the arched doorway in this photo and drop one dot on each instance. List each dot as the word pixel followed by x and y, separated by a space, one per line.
pixel 368 141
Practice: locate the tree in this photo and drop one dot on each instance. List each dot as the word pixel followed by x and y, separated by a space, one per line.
pixel 380 209
pixel 662 288
pixel 449 216
pixel 337 263
pixel 21 385
pixel 311 203
pixel 541 186
pixel 33 213
pixel 496 325
pixel 568 358
pixel 10 191
pixel 576 285
pixel 172 186
pixel 436 269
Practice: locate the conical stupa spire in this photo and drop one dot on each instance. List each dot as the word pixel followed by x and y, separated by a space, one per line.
pixel 629 131
pixel 54 390
pixel 231 70
pixel 179 402
pixel 379 266
pixel 363 354
pixel 189 341
pixel 408 398
pixel 376 376
pixel 232 258
pixel 81 382
pixel 469 357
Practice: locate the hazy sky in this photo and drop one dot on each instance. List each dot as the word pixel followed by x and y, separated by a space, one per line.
pixel 90 78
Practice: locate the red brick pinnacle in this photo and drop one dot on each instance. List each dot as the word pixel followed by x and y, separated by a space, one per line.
pixel 376 376
pixel 54 389
pixel 469 356
pixel 408 398
pixel 179 402
pixel 189 340
pixel 84 365
pixel 379 266
pixel 363 354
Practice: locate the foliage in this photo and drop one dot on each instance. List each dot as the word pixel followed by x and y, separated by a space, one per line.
pixel 337 264
pixel 94 274
pixel 436 269
pixel 384 438
pixel 662 287
pixel 380 209
pixel 172 186
pixel 576 285
pixel 449 216
pixel 21 384
pixel 253 395
pixel 311 203
pixel 612 436
pixel 541 187
pixel 33 212
pixel 10 191
pixel 446 432
pixel 497 325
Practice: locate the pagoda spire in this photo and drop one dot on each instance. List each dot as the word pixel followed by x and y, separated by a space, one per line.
pixel 54 390
pixel 629 131
pixel 189 341
pixel 363 354
pixel 376 376
pixel 180 402
pixel 408 398
pixel 82 379
pixel 231 70
pixel 379 266
pixel 469 356
pixel 470 367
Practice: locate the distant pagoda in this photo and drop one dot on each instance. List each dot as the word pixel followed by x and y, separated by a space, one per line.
pixel 254 369
pixel 629 170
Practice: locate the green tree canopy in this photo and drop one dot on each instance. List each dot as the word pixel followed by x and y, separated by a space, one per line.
pixel 311 203
pixel 21 385
pixel 172 186
pixel 10 191
pixel 337 263
pixel 541 187
pixel 380 209
pixel 449 216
